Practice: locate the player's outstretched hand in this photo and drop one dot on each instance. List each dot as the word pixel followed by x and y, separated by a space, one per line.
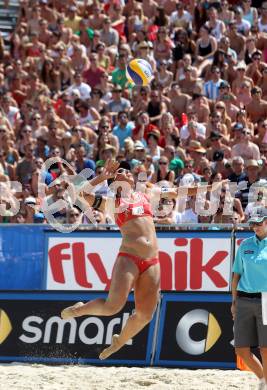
pixel 110 169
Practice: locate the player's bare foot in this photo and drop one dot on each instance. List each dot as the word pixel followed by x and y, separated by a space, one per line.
pixel 70 311
pixel 115 346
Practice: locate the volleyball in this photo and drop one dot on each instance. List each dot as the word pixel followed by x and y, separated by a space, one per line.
pixel 139 72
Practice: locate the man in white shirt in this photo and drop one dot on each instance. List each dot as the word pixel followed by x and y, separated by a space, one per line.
pixel 200 128
pixel 188 215
pixel 83 88
pixel 181 18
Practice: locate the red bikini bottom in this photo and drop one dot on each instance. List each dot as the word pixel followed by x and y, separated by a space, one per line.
pixel 141 264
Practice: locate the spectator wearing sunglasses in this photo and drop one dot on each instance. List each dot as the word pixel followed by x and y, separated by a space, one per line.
pixel 249 281
pixel 163 172
pixel 245 148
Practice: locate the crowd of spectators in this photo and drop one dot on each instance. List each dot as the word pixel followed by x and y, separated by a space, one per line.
pixel 64 93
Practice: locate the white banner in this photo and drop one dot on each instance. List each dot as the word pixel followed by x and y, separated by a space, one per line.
pixel 188 263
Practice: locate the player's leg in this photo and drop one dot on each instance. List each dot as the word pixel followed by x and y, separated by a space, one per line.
pixel 146 291
pixel 124 275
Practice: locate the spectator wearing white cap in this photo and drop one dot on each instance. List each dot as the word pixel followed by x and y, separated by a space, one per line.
pixel 29 205
pixel 253 178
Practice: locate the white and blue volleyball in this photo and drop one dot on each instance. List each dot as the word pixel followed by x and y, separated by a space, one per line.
pixel 139 72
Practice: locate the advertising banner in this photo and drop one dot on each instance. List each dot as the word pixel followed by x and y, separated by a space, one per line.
pixel 31 330
pixel 21 257
pixel 195 330
pixel 190 261
pixel 240 236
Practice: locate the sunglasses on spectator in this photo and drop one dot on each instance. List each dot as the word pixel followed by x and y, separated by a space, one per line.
pixel 163 163
pixel 104 127
pixel 36 118
pixel 122 170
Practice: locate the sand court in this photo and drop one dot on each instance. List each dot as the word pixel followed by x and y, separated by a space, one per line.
pixel 18 376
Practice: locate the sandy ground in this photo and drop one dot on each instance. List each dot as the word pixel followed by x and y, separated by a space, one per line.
pixel 41 377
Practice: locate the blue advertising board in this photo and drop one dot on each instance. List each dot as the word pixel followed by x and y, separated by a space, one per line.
pixel 192 260
pixel 21 257
pixel 195 330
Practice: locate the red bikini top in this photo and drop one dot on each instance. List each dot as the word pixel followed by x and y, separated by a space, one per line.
pixel 139 208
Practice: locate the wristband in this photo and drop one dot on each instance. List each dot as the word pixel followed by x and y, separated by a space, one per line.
pixel 97 201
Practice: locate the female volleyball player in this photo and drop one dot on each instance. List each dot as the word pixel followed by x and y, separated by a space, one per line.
pixel 137 265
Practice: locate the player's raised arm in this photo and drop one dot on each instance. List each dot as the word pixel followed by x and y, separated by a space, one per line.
pixel 179 192
pixel 98 201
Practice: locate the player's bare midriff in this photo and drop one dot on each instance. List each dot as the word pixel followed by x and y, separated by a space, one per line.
pixel 139 238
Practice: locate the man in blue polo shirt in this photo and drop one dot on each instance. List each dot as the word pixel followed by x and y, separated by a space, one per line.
pixel 249 281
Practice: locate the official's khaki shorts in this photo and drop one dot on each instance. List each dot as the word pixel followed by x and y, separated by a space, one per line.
pixel 249 330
